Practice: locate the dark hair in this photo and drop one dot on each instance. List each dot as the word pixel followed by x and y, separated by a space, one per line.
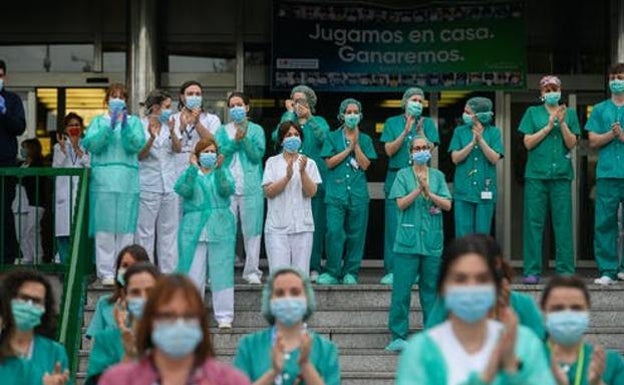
pixel 141 267
pixel 34 149
pixel 166 287
pixel 139 254
pixel 284 127
pixel 3 66
pixel 73 116
pixel 187 84
pixel 11 284
pixel 616 68
pixel 8 326
pixel 155 97
pixel 467 245
pixel 238 94
pixel 565 281
pixel 496 253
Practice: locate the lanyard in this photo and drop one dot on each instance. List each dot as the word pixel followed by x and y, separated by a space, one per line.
pixel 580 364
pixel 279 378
pixel 72 155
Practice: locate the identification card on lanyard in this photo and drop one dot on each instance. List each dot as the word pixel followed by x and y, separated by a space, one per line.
pixel 279 379
pixel 352 161
pixel 580 365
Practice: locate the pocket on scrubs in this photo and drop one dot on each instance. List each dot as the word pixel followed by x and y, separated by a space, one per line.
pixel 433 241
pixel 406 234
pixel 278 219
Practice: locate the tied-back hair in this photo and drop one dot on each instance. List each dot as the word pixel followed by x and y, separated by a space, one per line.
pixel 139 254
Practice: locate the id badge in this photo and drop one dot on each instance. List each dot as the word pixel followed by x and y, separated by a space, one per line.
pixel 354 163
pixel 486 195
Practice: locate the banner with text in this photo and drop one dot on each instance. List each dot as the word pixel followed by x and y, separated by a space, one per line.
pixel 339 46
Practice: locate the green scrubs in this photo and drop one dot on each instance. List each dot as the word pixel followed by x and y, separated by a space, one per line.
pixel 548 178
pixel 253 357
pixel 523 305
pixel 107 351
pixel 45 354
pixel 393 128
pixel 103 317
pixel 315 131
pixel 422 362
pixel 418 248
pixel 475 182
pixel 15 370
pixel 346 199
pixel 609 188
pixel 614 367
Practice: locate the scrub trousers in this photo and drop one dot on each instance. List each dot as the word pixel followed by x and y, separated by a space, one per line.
pixel 390 228
pixel 407 267
pixel 473 218
pixel 158 225
pixel 220 257
pixel 107 246
pixel 609 194
pixel 539 194
pixel 346 236
pixel 29 233
pixel 318 214
pixel 62 248
pixel 250 241
pixel 289 250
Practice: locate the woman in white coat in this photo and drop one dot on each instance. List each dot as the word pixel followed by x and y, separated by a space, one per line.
pixel 290 181
pixel 68 153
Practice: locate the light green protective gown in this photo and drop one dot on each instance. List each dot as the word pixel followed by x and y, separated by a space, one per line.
pixel 523 305
pixel 609 188
pixel 422 362
pixel 114 185
pixel 418 247
pixel 206 206
pixel 548 178
pixel 103 317
pixel 46 353
pixel 253 357
pixel 614 367
pixel 315 131
pixel 393 128
pixel 107 350
pixel 250 151
pixel 474 175
pixel 346 199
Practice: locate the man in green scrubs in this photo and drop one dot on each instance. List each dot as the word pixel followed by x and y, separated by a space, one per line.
pixel 475 149
pixel 605 134
pixel 550 134
pixel 397 135
pixel 348 153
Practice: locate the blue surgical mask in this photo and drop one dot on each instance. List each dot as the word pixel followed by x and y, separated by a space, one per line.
pixel 177 339
pixel 467 118
pixel 567 327
pixel 116 104
pixel 352 120
pixel 135 306
pixel 484 117
pixel 289 310
pixel 616 86
pixel 27 315
pixel 165 115
pixel 193 101
pixel 414 108
pixel 421 157
pixel 120 276
pixel 291 144
pixel 208 159
pixel 552 98
pixel 238 114
pixel 470 303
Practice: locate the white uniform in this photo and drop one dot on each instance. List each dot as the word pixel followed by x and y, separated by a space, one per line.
pixel 159 213
pixel 28 225
pixel 289 226
pixel 66 193
pixel 189 137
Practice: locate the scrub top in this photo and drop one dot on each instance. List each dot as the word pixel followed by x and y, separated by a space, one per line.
pixel 614 367
pixel 45 354
pixel 253 357
pixel 420 228
pixel 475 173
pixel 550 159
pixel 107 351
pixel 610 156
pixel 523 305
pixel 422 362
pixel 346 183
pixel 15 370
pixel 157 171
pixel 393 128
pixel 103 317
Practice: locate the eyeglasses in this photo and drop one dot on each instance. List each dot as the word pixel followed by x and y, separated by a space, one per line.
pixel 420 148
pixel 26 298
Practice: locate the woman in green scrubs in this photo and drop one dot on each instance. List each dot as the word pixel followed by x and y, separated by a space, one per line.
pixel 421 195
pixel 112 346
pixel 470 348
pixel 287 352
pixel 397 135
pixel 566 306
pixel 550 133
pixel 475 149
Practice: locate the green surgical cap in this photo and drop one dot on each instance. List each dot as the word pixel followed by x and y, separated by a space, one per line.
pixel 411 92
pixel 345 103
pixel 308 92
pixel 479 104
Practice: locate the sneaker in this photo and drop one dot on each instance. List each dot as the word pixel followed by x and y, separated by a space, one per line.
pixel 387 279
pixel 605 280
pixel 225 325
pixel 397 345
pixel 349 280
pixel 327 279
pixel 253 280
pixel 531 279
pixel 314 276
pixel 108 281
pixel 620 276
